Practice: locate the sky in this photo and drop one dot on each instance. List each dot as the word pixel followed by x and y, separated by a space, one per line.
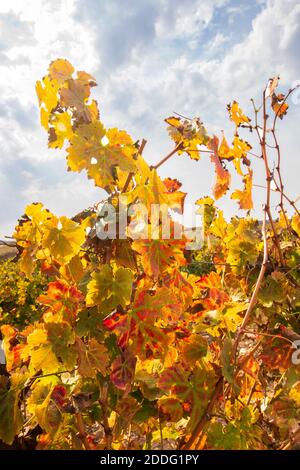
pixel 150 58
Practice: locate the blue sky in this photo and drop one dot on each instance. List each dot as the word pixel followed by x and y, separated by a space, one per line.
pixel 150 58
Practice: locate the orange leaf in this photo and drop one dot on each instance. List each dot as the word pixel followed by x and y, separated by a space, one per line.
pixel 223 177
pixel 245 197
pixel 236 114
pixel 60 70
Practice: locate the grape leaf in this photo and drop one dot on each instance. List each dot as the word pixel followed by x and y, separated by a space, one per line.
pixel 60 70
pixel 171 408
pixel 43 407
pixel 236 114
pixel 122 370
pixel 47 92
pixel 75 96
pixel 190 133
pixel 190 387
pixel 108 289
pixel 245 197
pixel 100 152
pixel 63 302
pixel 239 153
pixel 60 130
pixel 63 238
pixel 194 349
pixel 137 329
pixel 223 177
pixel 42 356
pixel 61 337
pixel 92 357
pixel 11 418
pixel 158 255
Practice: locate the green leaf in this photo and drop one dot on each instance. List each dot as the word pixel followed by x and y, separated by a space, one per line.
pixel 227 366
pixel 42 406
pixel 108 289
pixel 271 291
pixel 11 418
pixel 225 437
pixel 62 338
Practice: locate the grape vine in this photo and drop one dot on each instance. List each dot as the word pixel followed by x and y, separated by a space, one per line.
pixel 135 342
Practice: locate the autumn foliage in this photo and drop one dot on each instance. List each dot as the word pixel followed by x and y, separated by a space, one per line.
pixel 139 343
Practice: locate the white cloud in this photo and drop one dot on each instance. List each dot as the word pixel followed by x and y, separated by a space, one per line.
pixel 72 190
pixel 185 20
pixel 150 58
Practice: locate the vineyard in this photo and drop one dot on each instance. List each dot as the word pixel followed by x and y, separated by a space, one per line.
pixel 118 336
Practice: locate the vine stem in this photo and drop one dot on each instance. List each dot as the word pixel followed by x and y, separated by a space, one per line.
pixel 130 175
pixel 256 289
pixel 254 333
pixel 175 150
pixel 267 211
pixel 292 203
pixel 81 431
pixel 205 417
pixel 263 144
pixel 269 179
pixel 105 423
pixel 9 244
pixel 152 167
pixel 280 186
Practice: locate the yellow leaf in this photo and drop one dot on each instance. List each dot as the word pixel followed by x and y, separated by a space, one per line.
pixel 41 354
pixel 29 235
pixel 61 129
pixel 189 132
pixel 63 238
pixel 237 115
pixel 60 70
pixel 42 407
pixel 239 153
pixel 100 152
pixel 207 210
pixel 296 224
pixel 27 262
pixel 85 145
pixel 242 239
pixel 44 118
pixel 205 201
pixel 75 97
pixel 222 184
pixel 245 197
pixel 230 317
pixel 75 268
pixel 219 225
pixel 47 91
pixel 108 289
pixel 224 149
pixel 150 190
pixel 11 418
